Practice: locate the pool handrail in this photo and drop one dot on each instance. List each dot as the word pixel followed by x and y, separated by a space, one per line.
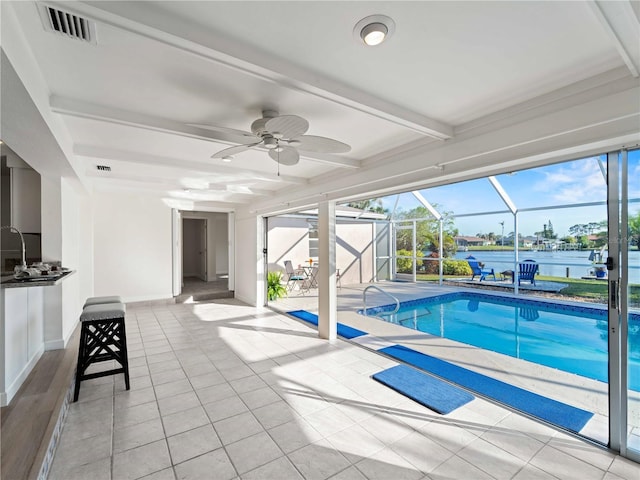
pixel 364 298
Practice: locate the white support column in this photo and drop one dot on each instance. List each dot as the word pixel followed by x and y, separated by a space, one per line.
pixel 516 257
pixel 327 302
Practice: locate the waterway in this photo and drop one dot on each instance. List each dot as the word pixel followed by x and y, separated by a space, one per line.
pixel 553 263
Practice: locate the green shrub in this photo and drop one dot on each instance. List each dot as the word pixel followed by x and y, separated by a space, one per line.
pixel 405 265
pixel 456 267
pixel 275 289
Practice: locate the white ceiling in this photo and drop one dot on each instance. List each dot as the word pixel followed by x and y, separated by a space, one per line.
pixel 157 67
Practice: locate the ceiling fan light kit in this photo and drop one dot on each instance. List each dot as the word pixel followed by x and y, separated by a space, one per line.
pixel 282 136
pixel 374 29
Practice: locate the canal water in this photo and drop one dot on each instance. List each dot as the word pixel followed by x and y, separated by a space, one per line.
pixel 553 264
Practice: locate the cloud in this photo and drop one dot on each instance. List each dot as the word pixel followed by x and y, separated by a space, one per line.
pixel 574 182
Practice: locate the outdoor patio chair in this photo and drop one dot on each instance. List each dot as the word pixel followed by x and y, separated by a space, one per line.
pixel 294 277
pixel 478 270
pixel 527 271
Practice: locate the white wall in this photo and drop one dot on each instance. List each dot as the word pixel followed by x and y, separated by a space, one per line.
pixel 221 234
pixel 354 252
pixel 289 240
pixel 67 238
pixel 250 276
pixel 132 247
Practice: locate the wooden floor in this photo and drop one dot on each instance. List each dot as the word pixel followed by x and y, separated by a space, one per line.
pixel 27 423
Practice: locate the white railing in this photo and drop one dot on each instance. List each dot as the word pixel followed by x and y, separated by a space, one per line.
pixel 375 287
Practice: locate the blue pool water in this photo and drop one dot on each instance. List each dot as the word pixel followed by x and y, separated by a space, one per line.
pixel 566 337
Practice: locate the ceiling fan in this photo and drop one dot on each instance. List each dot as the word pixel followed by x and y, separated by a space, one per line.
pixel 282 135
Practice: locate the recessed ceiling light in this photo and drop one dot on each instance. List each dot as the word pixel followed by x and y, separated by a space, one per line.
pixel 227 158
pixel 374 29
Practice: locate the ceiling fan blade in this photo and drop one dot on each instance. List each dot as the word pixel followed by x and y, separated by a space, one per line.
pixel 215 128
pixel 289 126
pixel 313 143
pixel 288 156
pixel 233 150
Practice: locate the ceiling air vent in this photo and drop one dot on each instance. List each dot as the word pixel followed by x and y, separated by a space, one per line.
pixel 103 168
pixel 68 24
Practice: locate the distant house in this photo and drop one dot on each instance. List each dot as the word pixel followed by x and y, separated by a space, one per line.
pixel 470 241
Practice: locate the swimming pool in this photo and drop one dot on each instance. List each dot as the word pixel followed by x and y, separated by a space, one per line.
pixel 565 337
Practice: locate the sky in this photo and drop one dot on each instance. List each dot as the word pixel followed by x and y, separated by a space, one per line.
pixel 568 183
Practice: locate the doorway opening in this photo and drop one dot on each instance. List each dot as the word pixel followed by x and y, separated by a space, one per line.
pixel 205 250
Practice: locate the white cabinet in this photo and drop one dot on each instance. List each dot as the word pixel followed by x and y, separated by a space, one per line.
pixel 23 336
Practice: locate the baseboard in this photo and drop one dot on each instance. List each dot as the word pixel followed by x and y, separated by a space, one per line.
pixel 17 383
pixel 54 344
pixel 149 299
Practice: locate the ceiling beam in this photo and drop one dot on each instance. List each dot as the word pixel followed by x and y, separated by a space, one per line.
pixel 80 109
pixel 105 153
pixel 163 184
pixel 621 23
pixel 207 44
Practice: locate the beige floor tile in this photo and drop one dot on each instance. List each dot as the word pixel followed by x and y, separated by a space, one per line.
pixel 141 461
pixel 355 443
pixel 215 393
pixel 275 414
pixel 178 403
pixel 236 428
pixel 184 420
pixel 199 467
pixel 137 435
pixel 98 470
pixel 421 452
pixel 350 473
pixel 318 461
pixel 294 435
pixel 173 388
pixel 193 443
pixel 225 408
pixel 387 464
pixel 456 467
pixel 561 465
pixel 261 389
pixel 280 468
pixel 134 415
pixel 260 397
pixel 252 452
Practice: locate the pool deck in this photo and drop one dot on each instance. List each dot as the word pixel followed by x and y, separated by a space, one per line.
pixel 565 387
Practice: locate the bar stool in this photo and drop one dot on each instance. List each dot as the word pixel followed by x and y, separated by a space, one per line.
pixel 102 338
pixel 101 300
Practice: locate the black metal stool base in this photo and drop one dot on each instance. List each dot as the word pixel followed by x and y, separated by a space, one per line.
pixel 100 341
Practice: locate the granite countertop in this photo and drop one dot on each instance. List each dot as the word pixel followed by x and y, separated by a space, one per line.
pixel 44 281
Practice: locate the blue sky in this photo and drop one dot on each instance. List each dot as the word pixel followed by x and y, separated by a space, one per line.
pixel 574 182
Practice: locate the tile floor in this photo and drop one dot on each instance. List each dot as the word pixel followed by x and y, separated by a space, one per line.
pixel 222 390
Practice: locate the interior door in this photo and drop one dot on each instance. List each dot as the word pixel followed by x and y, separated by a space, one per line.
pixel 202 246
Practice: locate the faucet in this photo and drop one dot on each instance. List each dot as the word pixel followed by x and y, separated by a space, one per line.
pixel 14 229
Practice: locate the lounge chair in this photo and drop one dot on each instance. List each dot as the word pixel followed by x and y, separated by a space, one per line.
pixel 476 269
pixel 294 277
pixel 527 271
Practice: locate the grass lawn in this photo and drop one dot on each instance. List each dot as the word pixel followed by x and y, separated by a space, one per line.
pixel 590 290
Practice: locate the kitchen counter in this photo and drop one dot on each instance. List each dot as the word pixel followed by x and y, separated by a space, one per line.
pixel 11 282
pixel 27 328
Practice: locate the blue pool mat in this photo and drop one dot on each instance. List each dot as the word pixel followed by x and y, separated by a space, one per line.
pixel 558 413
pixel 343 330
pixel 429 391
